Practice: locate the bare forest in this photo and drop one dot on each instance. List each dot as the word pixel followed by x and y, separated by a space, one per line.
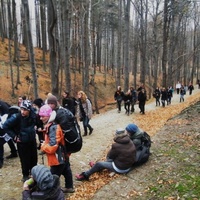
pixel 132 42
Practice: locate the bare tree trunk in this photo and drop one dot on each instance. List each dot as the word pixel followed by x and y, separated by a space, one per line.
pixel 9 47
pixel 118 77
pixel 165 40
pixel 54 68
pixel 43 31
pixel 30 47
pixel 37 23
pixel 16 43
pixel 127 39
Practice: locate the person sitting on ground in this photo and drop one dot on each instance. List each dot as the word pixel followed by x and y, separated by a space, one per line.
pixel 135 134
pixel 42 185
pixel 120 158
pixel 142 143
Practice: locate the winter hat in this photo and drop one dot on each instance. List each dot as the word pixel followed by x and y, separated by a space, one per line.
pixel 132 128
pixel 119 131
pixel 45 111
pixel 43 176
pixel 26 104
pixel 38 102
pixel 52 100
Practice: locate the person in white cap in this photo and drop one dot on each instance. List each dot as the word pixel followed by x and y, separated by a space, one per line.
pixel 120 158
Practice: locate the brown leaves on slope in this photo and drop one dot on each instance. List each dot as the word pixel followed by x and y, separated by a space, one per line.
pixel 151 122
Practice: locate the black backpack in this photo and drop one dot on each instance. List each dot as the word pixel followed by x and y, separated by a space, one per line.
pixel 143 151
pixel 71 130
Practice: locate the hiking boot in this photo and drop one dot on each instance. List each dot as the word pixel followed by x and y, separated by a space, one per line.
pixel 82 177
pixel 85 134
pixel 91 163
pixel 68 190
pixel 12 155
pixel 91 130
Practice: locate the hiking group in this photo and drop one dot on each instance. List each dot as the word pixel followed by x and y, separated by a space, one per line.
pixel 58 134
pixel 56 125
pixel 163 96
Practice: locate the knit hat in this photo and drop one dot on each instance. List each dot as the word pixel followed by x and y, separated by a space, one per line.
pixel 38 102
pixel 26 104
pixel 119 131
pixel 43 176
pixel 52 100
pixel 45 111
pixel 132 128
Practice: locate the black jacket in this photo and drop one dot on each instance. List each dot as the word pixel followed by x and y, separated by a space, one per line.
pixel 22 127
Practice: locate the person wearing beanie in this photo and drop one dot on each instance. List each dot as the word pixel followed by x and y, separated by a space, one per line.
pixel 38 102
pixel 21 127
pixel 135 134
pixel 142 142
pixel 52 100
pixel 120 157
pixel 53 147
pixel 42 185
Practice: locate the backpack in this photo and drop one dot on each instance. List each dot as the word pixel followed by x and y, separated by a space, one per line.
pixel 143 151
pixel 71 130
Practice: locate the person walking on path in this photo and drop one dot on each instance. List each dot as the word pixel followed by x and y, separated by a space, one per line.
pixel 169 95
pixel 156 95
pixel 163 96
pixel 127 101
pixel 118 96
pixel 21 127
pixel 120 158
pixel 134 99
pixel 190 88
pixel 182 93
pixel 142 97
pixel 178 87
pixel 84 112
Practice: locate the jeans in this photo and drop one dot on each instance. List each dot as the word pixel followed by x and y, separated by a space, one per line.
pixel 119 105
pixel 86 124
pixel 99 166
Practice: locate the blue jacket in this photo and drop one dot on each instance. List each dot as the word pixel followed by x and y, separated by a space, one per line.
pixel 21 127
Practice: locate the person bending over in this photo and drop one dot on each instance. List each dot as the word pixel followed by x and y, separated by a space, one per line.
pixel 42 185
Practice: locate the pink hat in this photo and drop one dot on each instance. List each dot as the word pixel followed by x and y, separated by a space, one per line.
pixel 45 111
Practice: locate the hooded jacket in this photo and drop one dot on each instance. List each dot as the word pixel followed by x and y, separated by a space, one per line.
pixel 122 152
pixel 54 142
pixel 50 193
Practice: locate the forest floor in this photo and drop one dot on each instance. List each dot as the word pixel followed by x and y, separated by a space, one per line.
pixel 172 171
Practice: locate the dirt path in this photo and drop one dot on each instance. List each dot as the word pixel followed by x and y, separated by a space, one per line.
pixel 95 147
